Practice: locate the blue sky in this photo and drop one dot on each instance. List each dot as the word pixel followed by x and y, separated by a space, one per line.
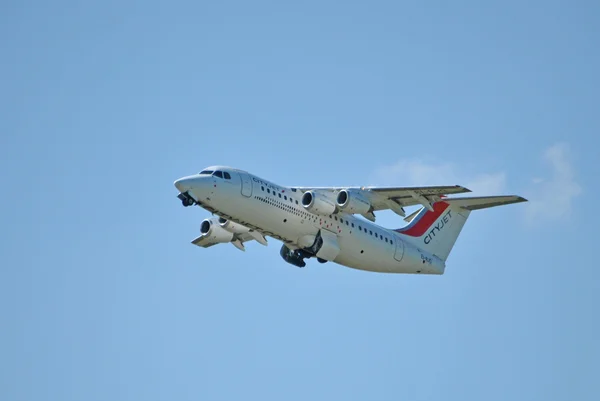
pixel 104 105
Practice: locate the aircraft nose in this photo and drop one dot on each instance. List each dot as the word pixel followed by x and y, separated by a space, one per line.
pixel 183 184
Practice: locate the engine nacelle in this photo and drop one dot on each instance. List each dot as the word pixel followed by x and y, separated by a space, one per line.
pixel 233 227
pixel 353 202
pixel 318 202
pixel 210 228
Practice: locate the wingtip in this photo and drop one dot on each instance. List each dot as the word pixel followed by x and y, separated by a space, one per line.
pixel 517 199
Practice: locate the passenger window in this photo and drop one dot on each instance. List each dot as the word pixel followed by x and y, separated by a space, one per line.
pixel 226 175
pixel 284 197
pixel 341 220
pixel 268 191
pixel 359 228
pixel 279 195
pixel 386 240
pixel 371 232
pixel 352 225
pixel 347 223
pixel 335 218
pixel 218 174
pixel 296 202
pixel 262 189
pixel 376 235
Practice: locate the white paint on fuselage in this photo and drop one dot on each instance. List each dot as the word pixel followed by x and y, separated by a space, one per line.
pixel 277 211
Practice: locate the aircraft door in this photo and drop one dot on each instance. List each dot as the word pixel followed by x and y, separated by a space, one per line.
pixel 246 185
pixel 399 249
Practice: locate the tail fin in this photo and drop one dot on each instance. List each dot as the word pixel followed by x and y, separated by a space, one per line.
pixel 436 231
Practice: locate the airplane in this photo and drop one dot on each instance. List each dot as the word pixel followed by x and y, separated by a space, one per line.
pixel 333 224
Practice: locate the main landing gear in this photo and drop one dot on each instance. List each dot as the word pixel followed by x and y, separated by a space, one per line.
pixel 296 257
pixel 186 199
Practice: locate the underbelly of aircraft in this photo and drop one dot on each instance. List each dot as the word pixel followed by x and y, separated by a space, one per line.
pixel 298 229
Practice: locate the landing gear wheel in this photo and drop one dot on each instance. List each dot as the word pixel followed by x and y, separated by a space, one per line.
pixel 321 260
pixel 187 202
pixel 294 257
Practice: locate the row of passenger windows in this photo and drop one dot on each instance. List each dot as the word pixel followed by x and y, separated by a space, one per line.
pixel 283 197
pixel 286 207
pixel 360 228
pixel 220 174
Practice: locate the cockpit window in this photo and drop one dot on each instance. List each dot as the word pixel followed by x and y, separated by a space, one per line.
pixel 218 174
pixel 207 172
pixel 226 175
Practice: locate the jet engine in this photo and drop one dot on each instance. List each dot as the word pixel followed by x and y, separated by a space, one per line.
pixel 318 202
pixel 210 228
pixel 353 202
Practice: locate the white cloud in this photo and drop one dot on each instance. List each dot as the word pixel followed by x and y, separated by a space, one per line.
pixel 552 198
pixel 416 172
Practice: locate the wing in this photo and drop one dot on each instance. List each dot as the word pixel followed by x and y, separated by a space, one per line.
pixel 238 240
pixel 204 241
pixel 395 198
pixel 409 196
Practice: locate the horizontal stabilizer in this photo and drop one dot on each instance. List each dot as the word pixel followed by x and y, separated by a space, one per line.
pixel 436 231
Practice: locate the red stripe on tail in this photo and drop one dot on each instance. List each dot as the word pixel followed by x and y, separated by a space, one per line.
pixel 426 220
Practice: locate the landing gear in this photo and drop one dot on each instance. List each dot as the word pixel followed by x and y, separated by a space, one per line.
pixel 294 257
pixel 186 199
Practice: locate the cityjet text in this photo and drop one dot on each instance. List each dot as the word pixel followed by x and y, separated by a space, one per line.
pixel 443 222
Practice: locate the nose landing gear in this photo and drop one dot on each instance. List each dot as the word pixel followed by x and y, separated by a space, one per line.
pixel 186 199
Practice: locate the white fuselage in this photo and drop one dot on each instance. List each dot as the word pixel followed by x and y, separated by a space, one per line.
pixel 277 211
